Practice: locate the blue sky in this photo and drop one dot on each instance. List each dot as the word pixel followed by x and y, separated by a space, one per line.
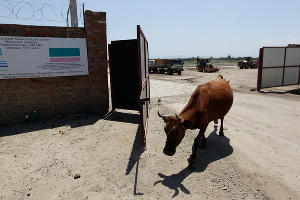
pixel 185 28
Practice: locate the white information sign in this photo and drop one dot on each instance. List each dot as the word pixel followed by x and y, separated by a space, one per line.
pixel 32 57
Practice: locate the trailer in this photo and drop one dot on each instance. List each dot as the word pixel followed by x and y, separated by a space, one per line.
pixel 168 66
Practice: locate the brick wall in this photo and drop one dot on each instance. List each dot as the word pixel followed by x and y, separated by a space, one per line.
pixel 59 96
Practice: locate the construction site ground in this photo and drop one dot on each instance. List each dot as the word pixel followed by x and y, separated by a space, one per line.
pixel 95 157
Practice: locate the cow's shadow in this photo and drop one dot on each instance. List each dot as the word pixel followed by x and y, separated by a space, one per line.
pixel 174 181
pixel 216 148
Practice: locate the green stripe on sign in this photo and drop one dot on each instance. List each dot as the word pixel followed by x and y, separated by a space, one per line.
pixel 64 52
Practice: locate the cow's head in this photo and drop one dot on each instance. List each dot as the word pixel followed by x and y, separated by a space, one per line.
pixel 220 77
pixel 175 130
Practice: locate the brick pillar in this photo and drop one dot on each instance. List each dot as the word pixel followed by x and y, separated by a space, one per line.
pixel 95 26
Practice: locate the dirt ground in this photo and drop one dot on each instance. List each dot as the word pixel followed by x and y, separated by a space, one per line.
pixel 258 158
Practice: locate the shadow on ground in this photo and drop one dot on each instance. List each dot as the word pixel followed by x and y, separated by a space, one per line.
pixel 136 152
pixel 123 117
pixel 73 121
pixel 294 91
pixel 137 147
pixel 216 148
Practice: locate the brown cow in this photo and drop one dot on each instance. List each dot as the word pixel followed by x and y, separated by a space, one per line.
pixel 209 102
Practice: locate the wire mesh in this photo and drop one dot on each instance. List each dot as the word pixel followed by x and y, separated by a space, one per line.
pixel 39 11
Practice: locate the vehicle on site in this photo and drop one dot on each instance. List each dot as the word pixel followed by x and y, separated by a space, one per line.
pixel 247 63
pixel 203 65
pixel 293 45
pixel 166 65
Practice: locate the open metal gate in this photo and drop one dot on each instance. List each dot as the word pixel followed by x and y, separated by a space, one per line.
pixel 278 66
pixel 129 76
pixel 145 82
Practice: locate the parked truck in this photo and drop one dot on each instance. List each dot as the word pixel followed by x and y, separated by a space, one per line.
pixel 166 65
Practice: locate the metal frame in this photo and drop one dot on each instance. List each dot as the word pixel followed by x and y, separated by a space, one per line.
pixel 111 79
pixel 299 76
pixel 259 74
pixel 260 67
pixel 143 84
pixel 284 61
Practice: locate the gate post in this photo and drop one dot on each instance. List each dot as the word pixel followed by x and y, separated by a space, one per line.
pixel 259 73
pixel 95 26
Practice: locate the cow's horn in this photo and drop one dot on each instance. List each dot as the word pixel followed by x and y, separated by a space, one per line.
pixel 163 117
pixel 178 118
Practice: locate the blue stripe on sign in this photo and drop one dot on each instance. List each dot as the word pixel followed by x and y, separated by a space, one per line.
pixel 1 70
pixel 3 66
pixel 64 52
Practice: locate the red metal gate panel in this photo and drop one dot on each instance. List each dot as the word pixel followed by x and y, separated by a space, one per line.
pixel 129 75
pixel 145 82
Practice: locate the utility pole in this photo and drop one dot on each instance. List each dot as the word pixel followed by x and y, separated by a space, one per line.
pixel 73 12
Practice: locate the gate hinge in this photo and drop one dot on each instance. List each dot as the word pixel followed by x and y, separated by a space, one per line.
pixel 144 100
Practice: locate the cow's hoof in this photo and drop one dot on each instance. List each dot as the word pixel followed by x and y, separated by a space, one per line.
pixel 221 133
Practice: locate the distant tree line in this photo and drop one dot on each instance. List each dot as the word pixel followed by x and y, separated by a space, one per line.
pixel 228 58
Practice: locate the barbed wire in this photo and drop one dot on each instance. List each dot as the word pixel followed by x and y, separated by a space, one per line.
pixel 37 10
pixel 81 14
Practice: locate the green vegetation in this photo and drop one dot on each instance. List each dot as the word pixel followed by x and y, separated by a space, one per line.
pixel 224 61
pixel 221 61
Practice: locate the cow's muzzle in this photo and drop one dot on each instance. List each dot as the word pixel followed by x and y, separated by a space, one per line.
pixel 169 151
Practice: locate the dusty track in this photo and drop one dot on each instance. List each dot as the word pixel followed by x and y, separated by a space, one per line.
pixel 257 159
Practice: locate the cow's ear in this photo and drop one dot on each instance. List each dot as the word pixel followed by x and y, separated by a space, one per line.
pixel 187 123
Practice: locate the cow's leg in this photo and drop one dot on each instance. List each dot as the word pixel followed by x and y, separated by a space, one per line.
pixel 221 132
pixel 202 141
pixel 197 141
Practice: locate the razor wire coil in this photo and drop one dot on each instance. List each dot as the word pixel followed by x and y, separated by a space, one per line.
pixel 37 11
